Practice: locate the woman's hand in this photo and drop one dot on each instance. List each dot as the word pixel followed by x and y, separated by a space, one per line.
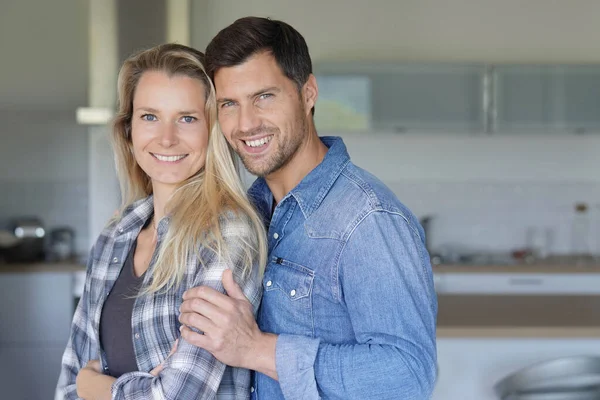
pixel 92 384
pixel 157 370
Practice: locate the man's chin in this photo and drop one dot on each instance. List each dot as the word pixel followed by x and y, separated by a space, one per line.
pixel 256 169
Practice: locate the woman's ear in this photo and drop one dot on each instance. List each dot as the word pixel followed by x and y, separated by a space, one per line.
pixel 310 92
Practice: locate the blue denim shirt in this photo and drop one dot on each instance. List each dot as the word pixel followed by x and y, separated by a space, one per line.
pixel 348 288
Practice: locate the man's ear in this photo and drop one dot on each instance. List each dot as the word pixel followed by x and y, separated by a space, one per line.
pixel 310 92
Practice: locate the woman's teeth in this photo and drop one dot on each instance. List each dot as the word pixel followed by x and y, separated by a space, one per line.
pixel 258 142
pixel 169 158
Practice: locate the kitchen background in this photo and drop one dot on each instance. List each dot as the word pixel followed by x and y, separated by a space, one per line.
pixel 483 143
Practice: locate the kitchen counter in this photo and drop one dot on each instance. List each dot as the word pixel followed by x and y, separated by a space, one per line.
pixel 508 316
pixel 543 268
pixel 63 266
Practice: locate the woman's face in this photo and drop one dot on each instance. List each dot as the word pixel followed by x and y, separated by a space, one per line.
pixel 168 128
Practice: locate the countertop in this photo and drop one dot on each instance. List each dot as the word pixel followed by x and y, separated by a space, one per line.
pixel 60 266
pixel 474 316
pixel 542 268
pixel 505 316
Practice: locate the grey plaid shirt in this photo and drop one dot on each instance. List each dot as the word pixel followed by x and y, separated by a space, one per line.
pixel 191 372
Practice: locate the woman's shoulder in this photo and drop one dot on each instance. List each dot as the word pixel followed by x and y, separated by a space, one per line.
pixel 235 223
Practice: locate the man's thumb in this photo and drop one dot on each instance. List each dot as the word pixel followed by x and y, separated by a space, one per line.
pixel 233 289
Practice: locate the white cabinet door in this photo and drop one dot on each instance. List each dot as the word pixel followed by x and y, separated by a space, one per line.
pixel 469 368
pixel 546 98
pixel 35 307
pixel 401 97
pixel 517 283
pixel 29 372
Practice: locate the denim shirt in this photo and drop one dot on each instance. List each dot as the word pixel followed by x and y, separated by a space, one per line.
pixel 348 288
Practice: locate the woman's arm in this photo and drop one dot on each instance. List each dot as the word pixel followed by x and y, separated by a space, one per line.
pixel 93 385
pixel 79 346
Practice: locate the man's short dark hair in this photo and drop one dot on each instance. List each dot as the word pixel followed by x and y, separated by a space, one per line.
pixel 251 35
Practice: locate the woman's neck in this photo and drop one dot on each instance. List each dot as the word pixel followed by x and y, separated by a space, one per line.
pixel 161 197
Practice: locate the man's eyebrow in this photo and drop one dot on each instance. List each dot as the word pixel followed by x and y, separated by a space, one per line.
pixel 258 92
pixel 264 90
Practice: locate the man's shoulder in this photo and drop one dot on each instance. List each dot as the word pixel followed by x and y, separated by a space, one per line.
pixel 371 193
pixel 355 194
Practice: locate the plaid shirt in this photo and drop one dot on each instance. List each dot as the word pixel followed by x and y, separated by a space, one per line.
pixel 191 372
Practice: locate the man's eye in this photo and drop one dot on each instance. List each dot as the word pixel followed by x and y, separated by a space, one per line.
pixel 265 96
pixel 149 117
pixel 188 119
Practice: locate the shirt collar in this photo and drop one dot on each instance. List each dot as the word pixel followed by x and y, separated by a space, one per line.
pixel 311 190
pixel 136 214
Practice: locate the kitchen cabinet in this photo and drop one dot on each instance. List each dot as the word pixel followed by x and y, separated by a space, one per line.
pixel 29 371
pixel 36 312
pixel 457 98
pixel 400 97
pixel 547 98
pixel 517 283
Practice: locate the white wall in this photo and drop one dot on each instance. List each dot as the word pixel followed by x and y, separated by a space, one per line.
pixel 43 47
pixel 43 152
pixel 472 30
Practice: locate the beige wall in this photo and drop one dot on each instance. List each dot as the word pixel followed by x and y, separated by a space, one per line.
pixel 43 53
pixel 444 30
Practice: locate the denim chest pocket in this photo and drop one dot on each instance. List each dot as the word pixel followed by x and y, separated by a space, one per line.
pixel 292 280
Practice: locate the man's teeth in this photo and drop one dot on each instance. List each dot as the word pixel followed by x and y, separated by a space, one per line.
pixel 258 142
pixel 169 158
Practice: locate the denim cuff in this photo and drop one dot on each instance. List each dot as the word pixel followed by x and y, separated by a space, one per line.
pixel 294 360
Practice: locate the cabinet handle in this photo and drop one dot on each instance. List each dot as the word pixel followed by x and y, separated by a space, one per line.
pixel 526 281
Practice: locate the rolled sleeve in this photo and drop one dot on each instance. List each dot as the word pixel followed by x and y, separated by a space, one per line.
pixel 295 359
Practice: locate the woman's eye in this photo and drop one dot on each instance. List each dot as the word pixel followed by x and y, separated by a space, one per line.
pixel 226 104
pixel 149 117
pixel 187 119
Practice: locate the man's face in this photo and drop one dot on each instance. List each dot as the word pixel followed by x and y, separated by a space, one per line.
pixel 261 112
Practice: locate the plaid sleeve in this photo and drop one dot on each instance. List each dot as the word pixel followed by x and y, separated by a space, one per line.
pixel 192 372
pixel 79 350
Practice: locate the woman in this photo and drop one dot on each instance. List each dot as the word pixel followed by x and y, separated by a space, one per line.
pixel 185 220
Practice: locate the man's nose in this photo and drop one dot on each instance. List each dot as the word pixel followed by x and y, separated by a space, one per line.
pixel 248 119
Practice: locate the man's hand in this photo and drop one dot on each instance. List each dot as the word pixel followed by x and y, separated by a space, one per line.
pixel 230 331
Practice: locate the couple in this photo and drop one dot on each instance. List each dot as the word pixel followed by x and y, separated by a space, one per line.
pixel 175 281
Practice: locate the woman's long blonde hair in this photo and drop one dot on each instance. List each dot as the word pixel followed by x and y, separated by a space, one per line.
pixel 199 203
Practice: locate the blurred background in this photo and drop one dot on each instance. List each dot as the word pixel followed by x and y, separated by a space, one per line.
pixel 483 116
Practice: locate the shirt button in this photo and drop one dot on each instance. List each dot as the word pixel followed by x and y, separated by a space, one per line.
pixel 115 260
pixel 269 283
pixel 276 235
pixel 120 230
pixel 137 335
pixel 293 293
pixel 251 389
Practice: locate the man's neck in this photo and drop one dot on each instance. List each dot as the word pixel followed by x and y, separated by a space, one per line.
pixel 310 154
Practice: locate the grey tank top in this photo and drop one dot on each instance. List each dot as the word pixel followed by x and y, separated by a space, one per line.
pixel 115 321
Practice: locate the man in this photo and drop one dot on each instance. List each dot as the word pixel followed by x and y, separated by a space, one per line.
pixel 348 308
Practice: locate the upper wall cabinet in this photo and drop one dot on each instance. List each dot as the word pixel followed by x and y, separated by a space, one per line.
pixel 400 97
pixel 461 98
pixel 547 98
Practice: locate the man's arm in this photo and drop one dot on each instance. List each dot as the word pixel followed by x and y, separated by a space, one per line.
pixel 387 287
